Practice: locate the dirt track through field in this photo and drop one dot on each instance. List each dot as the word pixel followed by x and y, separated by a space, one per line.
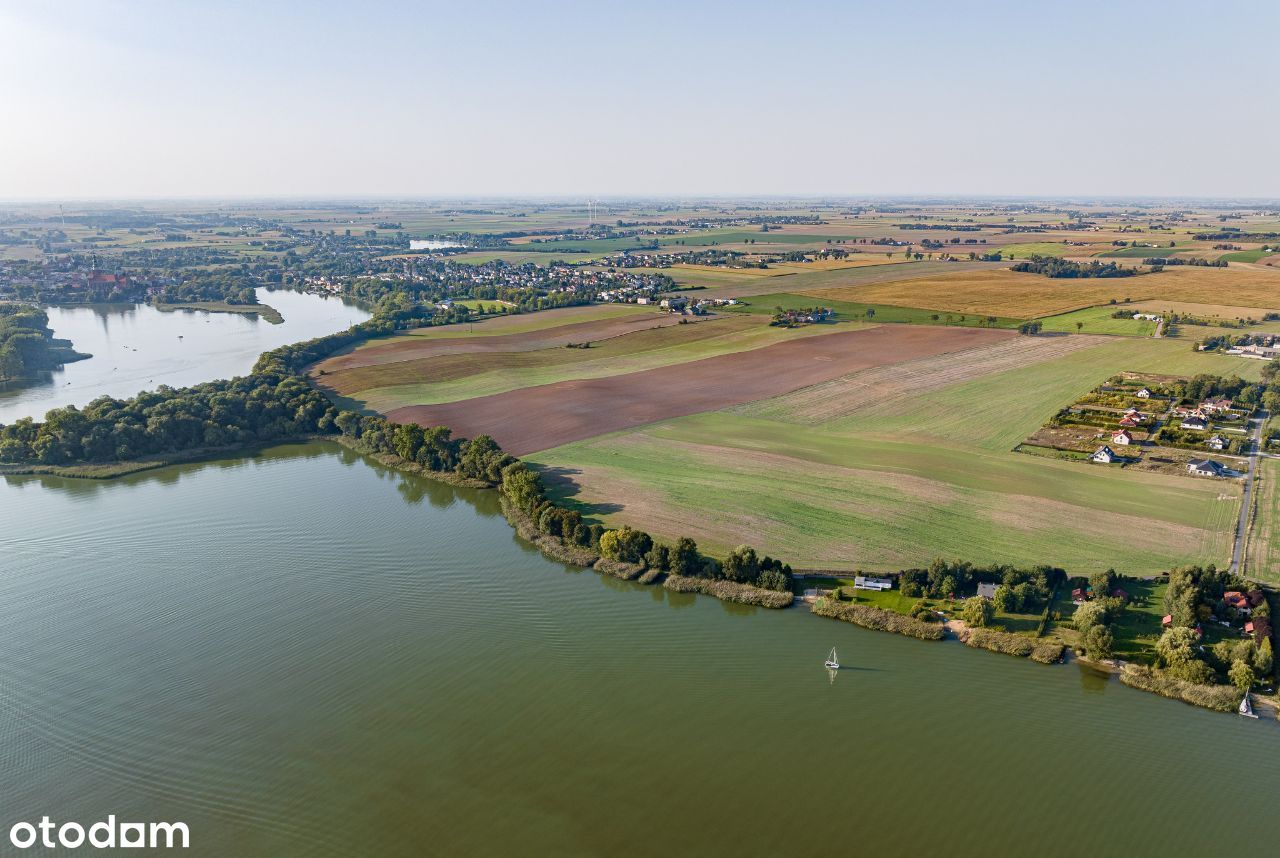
pixel 538 418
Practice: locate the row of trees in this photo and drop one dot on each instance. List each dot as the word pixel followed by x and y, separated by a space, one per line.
pixel 523 488
pixel 1246 394
pixel 1018 590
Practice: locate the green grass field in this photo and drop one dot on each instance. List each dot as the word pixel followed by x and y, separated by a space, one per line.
pixel 1247 255
pixel 1263 559
pixel 1144 252
pixel 909 478
pixel 1040 248
pixel 850 310
pixel 1097 320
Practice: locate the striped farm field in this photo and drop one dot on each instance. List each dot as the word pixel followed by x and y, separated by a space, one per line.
pixel 896 464
pixel 1263 558
pixel 425 376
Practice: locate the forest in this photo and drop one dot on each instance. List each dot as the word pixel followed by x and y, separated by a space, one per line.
pixel 27 345
pixel 1051 266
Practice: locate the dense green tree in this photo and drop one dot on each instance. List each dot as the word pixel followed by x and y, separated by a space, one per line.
pixel 1242 675
pixel 1099 642
pixel 625 544
pixel 685 559
pixel 977 611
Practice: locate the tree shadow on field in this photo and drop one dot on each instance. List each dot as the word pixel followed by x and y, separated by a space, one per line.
pixel 562 486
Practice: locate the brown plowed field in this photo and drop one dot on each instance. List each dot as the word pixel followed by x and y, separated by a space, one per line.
pixel 538 418
pixel 424 347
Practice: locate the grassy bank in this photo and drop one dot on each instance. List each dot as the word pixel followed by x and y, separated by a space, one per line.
pixel 729 591
pixel 878 619
pixel 1045 652
pixel 1221 698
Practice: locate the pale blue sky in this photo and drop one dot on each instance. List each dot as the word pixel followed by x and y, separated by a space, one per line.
pixel 145 99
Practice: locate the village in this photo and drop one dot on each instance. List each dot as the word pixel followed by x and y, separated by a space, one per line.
pixel 1139 421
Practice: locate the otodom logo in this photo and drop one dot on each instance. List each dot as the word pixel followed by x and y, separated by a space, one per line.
pixel 101 835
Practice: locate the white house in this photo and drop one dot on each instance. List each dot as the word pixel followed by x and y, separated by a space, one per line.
pixel 1217 442
pixel 865 582
pixel 1144 394
pixel 1105 455
pixel 1205 468
pixel 1122 437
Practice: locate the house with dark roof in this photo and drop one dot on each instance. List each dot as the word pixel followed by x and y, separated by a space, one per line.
pixel 1104 454
pixel 1193 422
pixel 1205 468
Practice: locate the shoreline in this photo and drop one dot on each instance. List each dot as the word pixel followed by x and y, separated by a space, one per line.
pixel 1140 677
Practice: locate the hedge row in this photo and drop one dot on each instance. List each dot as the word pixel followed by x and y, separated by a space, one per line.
pixel 730 591
pixel 878 619
pixel 1045 652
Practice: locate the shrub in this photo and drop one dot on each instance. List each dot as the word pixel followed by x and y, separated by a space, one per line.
pixel 1223 698
pixel 878 619
pixel 729 591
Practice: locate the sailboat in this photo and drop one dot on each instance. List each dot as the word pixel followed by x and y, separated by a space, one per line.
pixel 1246 708
pixel 833 662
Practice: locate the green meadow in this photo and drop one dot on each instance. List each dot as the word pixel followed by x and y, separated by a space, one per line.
pixel 911 477
pixel 1097 320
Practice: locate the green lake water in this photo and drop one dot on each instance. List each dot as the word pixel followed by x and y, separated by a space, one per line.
pixel 136 347
pixel 304 653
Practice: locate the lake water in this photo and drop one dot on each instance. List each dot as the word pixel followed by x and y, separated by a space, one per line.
pixel 136 347
pixel 304 653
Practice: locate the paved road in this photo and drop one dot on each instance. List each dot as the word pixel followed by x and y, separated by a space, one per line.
pixel 1242 525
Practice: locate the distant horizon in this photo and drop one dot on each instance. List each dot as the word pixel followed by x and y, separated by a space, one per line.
pixel 1138 99
pixel 830 198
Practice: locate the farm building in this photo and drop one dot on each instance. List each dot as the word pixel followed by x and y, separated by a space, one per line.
pixel 1205 468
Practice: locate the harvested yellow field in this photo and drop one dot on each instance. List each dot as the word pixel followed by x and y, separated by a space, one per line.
pixel 1239 287
pixel 1207 311
pixel 999 292
pixel 1025 296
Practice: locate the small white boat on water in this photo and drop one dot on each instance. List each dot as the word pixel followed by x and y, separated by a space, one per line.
pixel 1246 708
pixel 833 661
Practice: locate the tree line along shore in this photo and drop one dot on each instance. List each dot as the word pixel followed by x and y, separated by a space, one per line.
pixel 275 403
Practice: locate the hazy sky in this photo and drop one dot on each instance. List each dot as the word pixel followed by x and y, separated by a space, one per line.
pixel 146 99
